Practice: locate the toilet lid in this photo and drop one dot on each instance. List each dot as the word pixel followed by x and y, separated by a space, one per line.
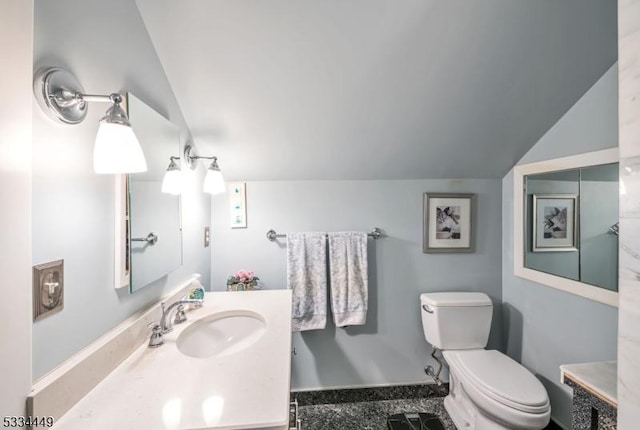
pixel 501 378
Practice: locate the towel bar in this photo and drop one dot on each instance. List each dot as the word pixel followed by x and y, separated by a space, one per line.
pixel 615 229
pixel 151 239
pixel 375 233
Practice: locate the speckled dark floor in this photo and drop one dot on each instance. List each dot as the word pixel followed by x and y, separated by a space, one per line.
pixel 367 415
pixel 368 408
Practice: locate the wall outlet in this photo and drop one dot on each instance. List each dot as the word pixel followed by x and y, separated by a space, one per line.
pixel 207 237
pixel 48 289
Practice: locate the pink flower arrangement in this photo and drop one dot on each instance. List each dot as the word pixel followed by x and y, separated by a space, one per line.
pixel 246 277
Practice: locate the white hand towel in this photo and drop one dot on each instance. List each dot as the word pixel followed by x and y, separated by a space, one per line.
pixel 348 277
pixel 307 278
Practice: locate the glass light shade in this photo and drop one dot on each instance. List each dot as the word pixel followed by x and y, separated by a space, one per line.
pixel 213 182
pixel 117 150
pixel 172 182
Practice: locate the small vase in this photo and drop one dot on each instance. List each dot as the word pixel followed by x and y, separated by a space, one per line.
pixel 240 286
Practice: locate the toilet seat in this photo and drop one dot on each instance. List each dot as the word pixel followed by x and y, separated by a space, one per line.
pixel 500 378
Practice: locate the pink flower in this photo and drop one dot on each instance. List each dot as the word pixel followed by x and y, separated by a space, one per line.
pixel 245 276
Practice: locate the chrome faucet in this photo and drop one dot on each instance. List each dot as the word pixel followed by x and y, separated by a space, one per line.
pixel 165 322
pixel 195 298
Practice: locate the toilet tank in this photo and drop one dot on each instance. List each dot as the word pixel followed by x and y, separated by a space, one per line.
pixel 456 320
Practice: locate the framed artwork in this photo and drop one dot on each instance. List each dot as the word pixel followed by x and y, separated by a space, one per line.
pixel 554 222
pixel 448 223
pixel 237 205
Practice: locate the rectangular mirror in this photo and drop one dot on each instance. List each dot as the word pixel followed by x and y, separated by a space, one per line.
pixel 152 229
pixel 565 224
pixel 568 220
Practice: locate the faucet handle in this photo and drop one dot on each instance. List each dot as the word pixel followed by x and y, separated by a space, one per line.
pixel 157 338
pixel 180 315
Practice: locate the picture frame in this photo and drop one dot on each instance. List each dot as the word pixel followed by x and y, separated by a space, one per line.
pixel 448 223
pixel 237 205
pixel 554 223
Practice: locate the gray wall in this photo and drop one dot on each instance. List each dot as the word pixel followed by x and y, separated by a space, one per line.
pixel 390 348
pixel 105 44
pixel 435 89
pixel 544 327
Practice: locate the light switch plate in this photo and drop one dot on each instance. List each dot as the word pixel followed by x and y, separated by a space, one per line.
pixel 48 289
pixel 207 236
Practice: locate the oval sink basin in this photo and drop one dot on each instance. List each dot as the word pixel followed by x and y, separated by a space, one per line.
pixel 221 334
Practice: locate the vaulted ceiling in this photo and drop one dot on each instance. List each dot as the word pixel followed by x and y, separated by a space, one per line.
pixel 377 89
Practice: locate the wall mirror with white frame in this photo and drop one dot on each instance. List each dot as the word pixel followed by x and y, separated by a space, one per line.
pixel 148 221
pixel 566 222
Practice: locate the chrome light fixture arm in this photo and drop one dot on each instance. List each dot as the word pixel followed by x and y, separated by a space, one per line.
pixel 213 181
pixel 63 99
pixel 191 158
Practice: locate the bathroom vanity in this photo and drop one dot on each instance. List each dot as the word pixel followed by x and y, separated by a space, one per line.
pixel 227 366
pixel 595 401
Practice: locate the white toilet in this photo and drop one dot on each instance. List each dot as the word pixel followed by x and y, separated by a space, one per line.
pixel 487 389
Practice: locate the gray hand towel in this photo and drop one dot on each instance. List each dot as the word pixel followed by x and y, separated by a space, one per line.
pixel 307 278
pixel 348 277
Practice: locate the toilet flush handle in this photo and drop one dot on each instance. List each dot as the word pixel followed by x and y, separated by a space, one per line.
pixel 427 309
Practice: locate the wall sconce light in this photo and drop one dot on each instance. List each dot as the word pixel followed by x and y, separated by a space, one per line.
pixel 62 98
pixel 172 181
pixel 213 182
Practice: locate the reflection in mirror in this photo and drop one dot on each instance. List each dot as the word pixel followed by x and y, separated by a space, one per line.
pixel 156 234
pixel 599 190
pixel 568 220
pixel 544 226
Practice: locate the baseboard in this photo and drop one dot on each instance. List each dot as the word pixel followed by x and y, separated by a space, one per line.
pixel 369 394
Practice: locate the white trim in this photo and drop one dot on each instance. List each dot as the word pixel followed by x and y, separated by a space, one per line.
pixel 16 141
pixel 587 291
pixel 122 257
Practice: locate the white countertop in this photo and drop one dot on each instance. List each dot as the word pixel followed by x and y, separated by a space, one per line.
pixel 599 378
pixel 162 388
